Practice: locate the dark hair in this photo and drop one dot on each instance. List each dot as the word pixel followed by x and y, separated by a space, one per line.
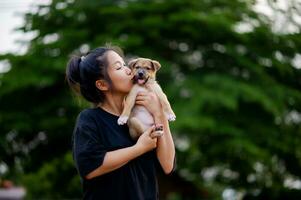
pixel 83 72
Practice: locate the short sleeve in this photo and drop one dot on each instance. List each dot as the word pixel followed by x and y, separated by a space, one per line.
pixel 88 149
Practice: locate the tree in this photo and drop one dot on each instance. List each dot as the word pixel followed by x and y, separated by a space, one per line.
pixel 231 80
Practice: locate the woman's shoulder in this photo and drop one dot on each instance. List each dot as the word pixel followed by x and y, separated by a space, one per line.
pixel 86 114
pixel 86 120
pixel 94 114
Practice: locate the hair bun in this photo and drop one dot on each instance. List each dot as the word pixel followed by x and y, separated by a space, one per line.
pixel 73 72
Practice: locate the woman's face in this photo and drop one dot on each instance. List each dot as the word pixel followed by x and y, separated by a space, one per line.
pixel 119 73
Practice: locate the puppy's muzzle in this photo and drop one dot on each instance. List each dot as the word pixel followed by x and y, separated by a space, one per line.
pixel 140 73
pixel 141 77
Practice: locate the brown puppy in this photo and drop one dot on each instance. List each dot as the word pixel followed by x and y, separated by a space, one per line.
pixel 138 117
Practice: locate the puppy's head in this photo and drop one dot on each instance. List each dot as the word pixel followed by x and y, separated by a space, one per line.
pixel 144 69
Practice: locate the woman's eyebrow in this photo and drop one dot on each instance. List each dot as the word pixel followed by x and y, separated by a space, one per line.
pixel 117 62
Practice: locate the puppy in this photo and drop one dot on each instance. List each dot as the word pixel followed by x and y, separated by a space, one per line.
pixel 138 117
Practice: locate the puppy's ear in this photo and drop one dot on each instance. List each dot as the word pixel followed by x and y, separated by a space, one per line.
pixel 156 65
pixel 132 63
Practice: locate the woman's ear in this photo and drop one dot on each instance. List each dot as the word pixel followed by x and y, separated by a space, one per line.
pixel 102 85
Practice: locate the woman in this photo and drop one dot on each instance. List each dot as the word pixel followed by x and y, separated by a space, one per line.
pixel 110 163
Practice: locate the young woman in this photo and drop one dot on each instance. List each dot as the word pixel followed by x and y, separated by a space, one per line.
pixel 111 165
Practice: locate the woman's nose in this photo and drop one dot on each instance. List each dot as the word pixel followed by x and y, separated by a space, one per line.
pixel 128 71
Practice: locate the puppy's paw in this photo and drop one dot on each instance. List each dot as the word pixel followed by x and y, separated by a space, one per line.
pixel 159 127
pixel 158 132
pixel 171 117
pixel 122 119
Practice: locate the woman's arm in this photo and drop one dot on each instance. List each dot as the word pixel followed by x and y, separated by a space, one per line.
pixel 165 145
pixel 116 159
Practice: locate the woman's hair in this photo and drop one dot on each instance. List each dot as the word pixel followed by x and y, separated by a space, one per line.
pixel 83 71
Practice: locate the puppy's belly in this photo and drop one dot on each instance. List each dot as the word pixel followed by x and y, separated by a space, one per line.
pixel 141 113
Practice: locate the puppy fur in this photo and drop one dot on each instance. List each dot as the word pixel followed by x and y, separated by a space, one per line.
pixel 137 117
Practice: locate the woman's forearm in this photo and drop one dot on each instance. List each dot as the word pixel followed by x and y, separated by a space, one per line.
pixel 165 145
pixel 116 159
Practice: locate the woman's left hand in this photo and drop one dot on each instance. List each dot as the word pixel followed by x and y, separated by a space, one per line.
pixel 150 101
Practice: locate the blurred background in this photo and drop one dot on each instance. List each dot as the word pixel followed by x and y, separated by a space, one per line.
pixel 231 70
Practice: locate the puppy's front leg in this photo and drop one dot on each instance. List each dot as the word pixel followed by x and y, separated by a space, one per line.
pixel 164 101
pixel 128 105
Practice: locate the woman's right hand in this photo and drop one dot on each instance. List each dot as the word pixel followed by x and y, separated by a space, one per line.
pixel 145 142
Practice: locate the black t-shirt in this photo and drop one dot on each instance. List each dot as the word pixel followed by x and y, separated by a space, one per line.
pixel 97 132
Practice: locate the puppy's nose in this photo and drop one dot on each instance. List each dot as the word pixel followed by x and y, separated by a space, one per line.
pixel 140 74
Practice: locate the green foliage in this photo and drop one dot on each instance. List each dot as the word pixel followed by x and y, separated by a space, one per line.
pixel 236 94
pixel 55 179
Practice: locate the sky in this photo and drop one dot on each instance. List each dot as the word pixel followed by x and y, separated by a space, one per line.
pixel 10 19
pixel 11 10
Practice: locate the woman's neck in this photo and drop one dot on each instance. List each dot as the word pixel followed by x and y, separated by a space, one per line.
pixel 113 103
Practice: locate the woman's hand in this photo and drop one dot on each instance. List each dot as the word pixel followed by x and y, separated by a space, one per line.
pixel 145 142
pixel 150 101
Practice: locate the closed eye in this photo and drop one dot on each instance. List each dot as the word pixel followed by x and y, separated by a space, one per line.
pixel 124 65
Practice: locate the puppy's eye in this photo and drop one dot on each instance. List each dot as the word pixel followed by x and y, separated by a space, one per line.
pixel 149 68
pixel 137 67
